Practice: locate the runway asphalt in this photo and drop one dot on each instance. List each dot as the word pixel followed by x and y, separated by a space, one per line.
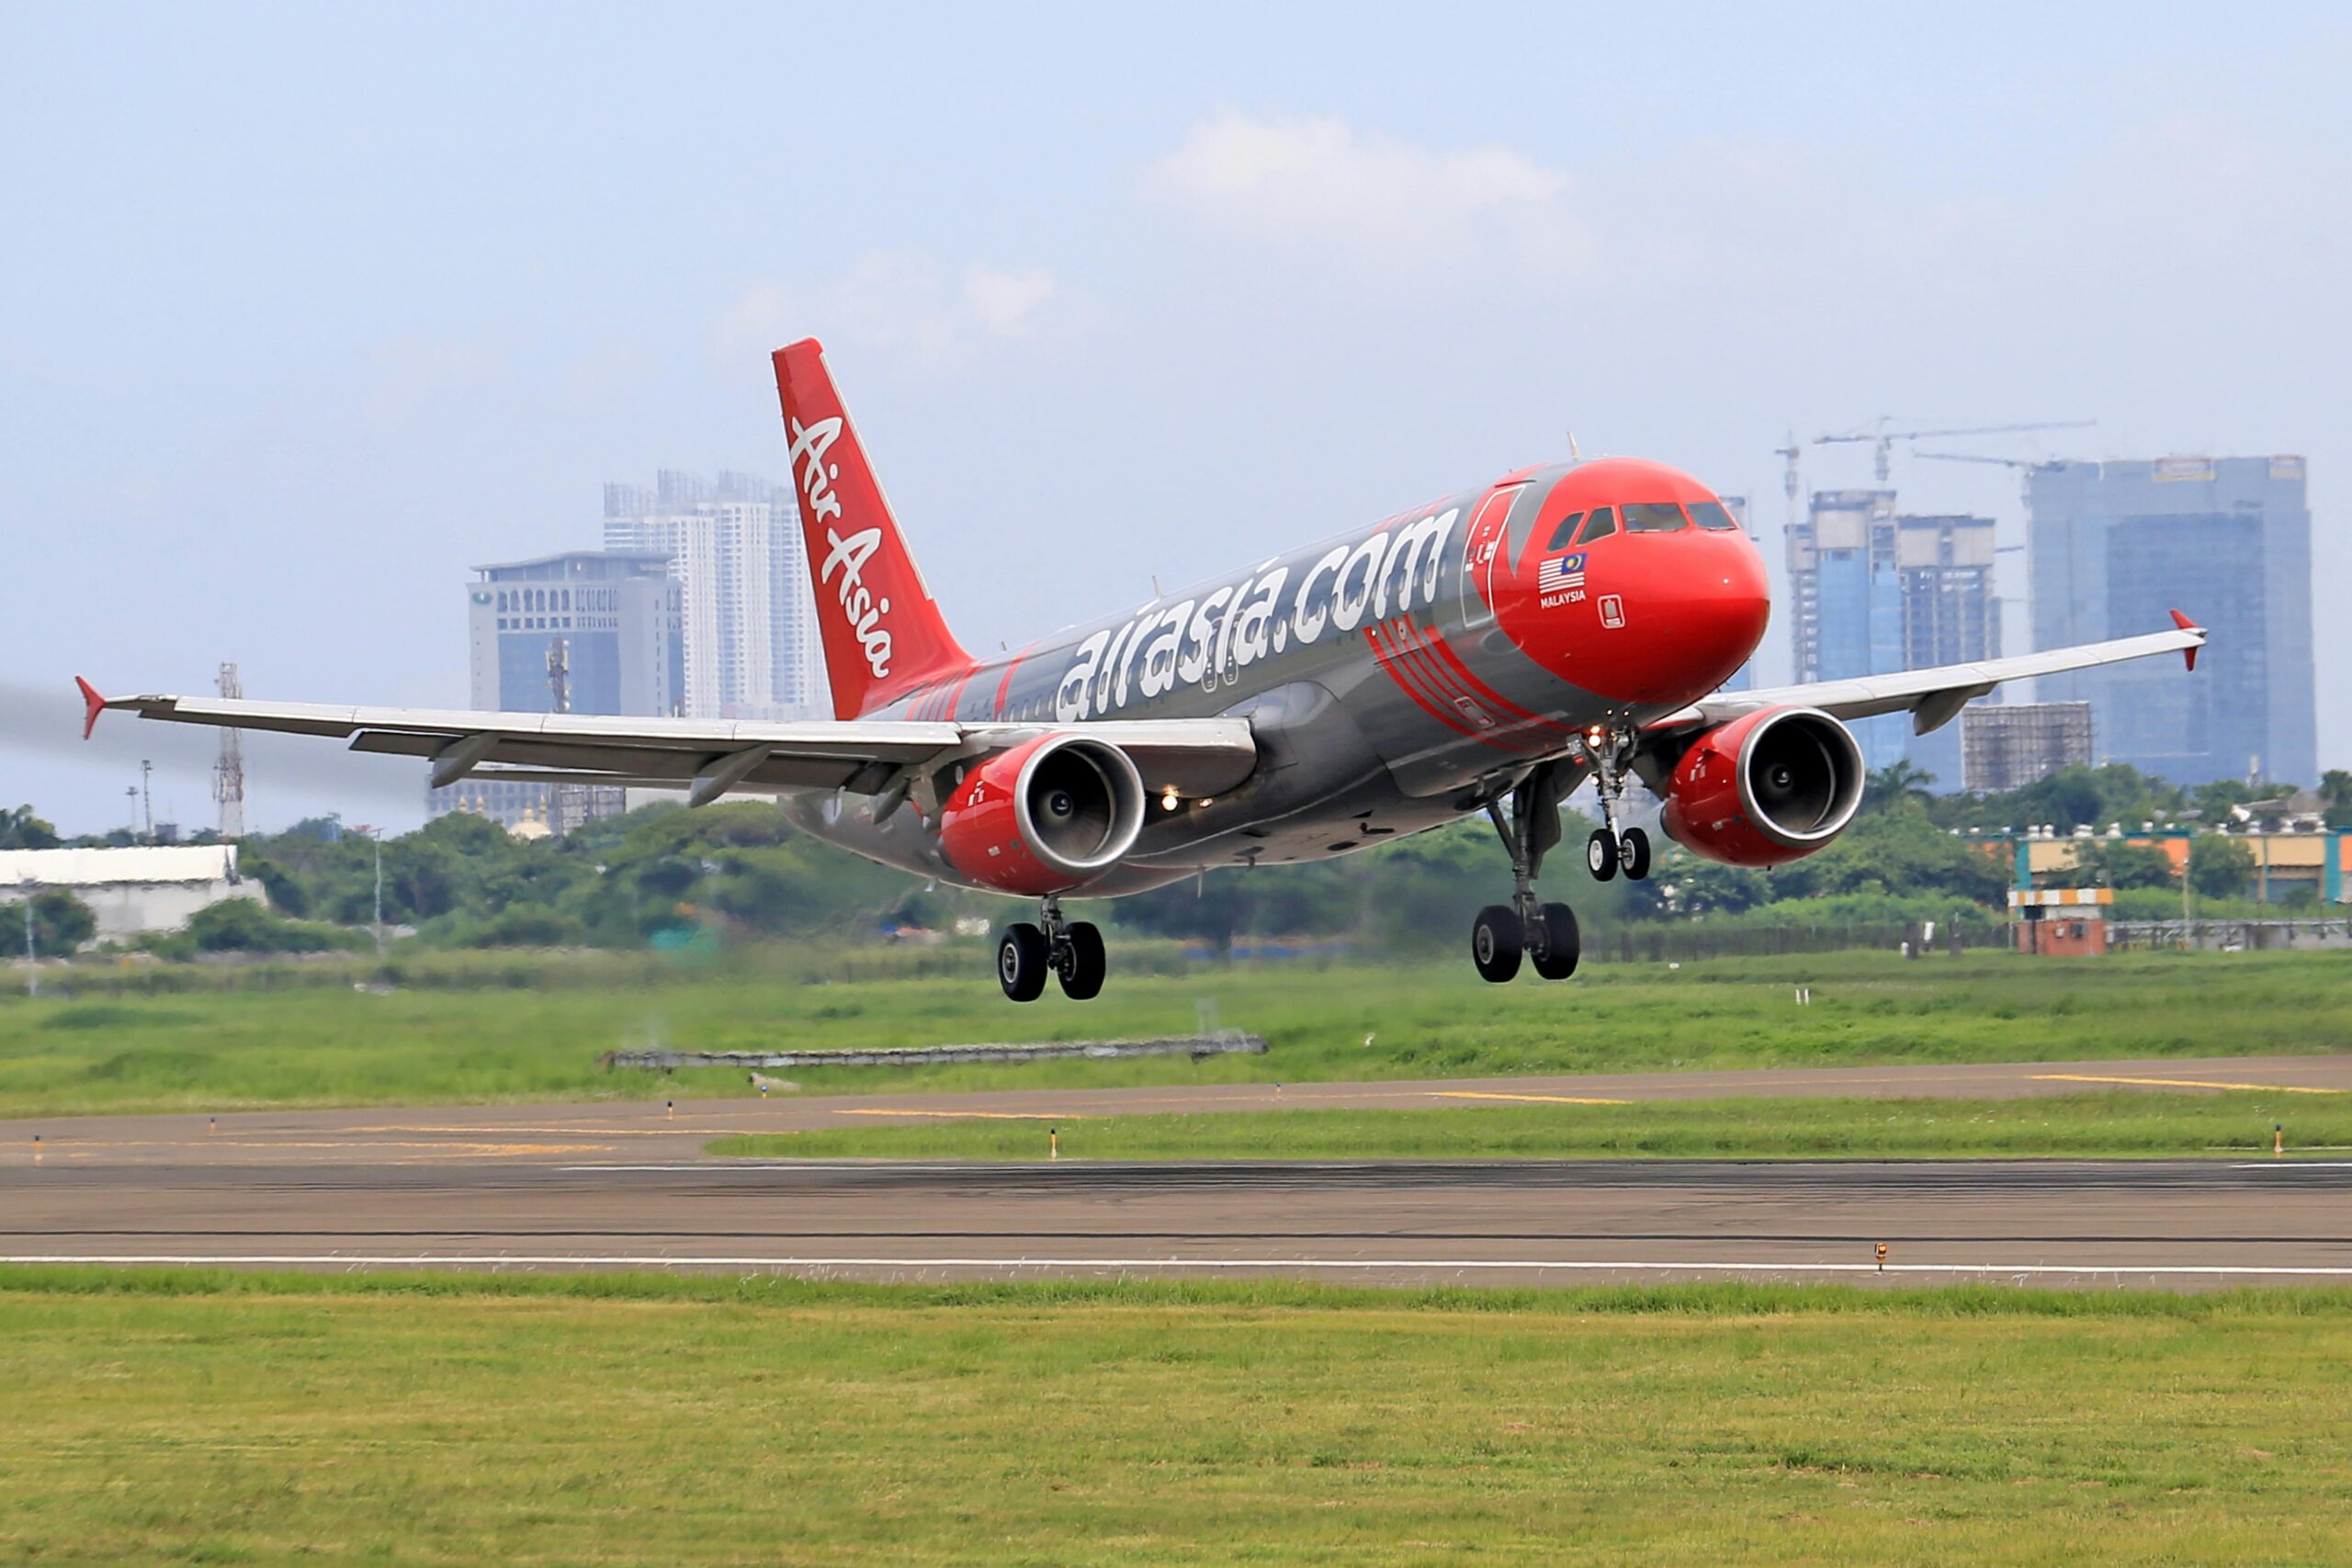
pixel 615 1186
pixel 2177 1224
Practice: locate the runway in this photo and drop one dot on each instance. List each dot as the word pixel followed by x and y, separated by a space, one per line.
pixel 2174 1224
pixel 609 1185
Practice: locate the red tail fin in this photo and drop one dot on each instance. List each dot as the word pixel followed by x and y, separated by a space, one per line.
pixel 883 634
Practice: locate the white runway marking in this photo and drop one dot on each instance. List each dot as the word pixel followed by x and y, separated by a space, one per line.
pixel 1433 1265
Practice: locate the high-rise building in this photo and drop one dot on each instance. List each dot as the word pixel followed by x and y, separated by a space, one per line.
pixel 1951 614
pixel 2011 745
pixel 1874 593
pixel 2113 547
pixel 587 632
pixel 734 549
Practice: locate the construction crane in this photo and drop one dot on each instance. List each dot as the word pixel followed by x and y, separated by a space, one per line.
pixel 2023 464
pixel 228 772
pixel 1883 439
pixel 1979 457
pixel 1789 452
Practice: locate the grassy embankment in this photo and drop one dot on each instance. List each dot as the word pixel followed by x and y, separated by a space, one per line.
pixel 211 1417
pixel 2118 1124
pixel 236 1050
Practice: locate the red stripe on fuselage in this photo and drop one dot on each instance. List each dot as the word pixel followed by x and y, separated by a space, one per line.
pixel 1503 729
pixel 1402 650
pixel 1392 660
pixel 955 693
pixel 1004 687
pixel 1485 692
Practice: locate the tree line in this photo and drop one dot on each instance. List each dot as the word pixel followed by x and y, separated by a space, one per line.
pixel 666 875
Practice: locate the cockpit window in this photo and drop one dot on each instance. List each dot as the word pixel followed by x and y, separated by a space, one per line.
pixel 1565 531
pixel 1653 517
pixel 1602 523
pixel 1711 515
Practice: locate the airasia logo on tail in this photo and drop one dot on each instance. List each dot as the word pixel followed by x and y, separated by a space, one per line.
pixel 846 556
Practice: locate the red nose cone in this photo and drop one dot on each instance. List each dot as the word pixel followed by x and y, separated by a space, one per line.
pixel 1692 611
pixel 1651 611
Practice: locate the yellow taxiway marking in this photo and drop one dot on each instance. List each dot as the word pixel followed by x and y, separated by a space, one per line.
pixel 2183 1083
pixel 1545 1099
pixel 967 1115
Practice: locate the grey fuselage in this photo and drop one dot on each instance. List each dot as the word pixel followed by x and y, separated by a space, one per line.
pixel 1386 685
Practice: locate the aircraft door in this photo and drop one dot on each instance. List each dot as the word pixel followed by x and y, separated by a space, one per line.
pixel 1480 548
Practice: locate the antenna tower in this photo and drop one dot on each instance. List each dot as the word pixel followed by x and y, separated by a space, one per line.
pixel 228 772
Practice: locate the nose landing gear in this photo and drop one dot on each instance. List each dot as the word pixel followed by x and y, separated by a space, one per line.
pixel 1612 850
pixel 1543 934
pixel 1071 951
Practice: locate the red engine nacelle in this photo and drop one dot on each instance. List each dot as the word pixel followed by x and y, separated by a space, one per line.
pixel 1049 816
pixel 1766 789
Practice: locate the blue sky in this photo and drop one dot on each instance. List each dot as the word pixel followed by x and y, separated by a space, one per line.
pixel 306 310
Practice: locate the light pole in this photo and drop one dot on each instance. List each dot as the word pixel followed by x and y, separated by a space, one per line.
pixel 376 838
pixel 32 959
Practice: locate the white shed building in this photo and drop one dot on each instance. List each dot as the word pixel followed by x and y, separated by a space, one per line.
pixel 134 890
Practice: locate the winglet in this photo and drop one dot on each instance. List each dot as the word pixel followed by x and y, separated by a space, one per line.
pixel 93 705
pixel 2185 623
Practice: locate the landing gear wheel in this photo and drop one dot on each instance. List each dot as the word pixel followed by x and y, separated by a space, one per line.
pixel 1495 941
pixel 1022 962
pixel 1601 854
pixel 1633 848
pixel 1081 964
pixel 1554 944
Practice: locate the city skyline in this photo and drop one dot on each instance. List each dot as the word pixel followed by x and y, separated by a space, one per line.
pixel 1144 306
pixel 2113 546
pixel 735 552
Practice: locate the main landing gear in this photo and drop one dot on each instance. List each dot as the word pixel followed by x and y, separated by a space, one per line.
pixel 1543 934
pixel 1071 951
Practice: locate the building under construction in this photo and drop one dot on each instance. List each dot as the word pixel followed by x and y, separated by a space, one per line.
pixel 1876 592
pixel 2008 746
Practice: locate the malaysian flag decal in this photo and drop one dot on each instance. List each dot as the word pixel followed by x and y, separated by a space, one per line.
pixel 1560 574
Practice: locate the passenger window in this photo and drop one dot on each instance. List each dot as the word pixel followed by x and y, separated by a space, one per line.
pixel 1565 531
pixel 1711 515
pixel 1653 517
pixel 1604 523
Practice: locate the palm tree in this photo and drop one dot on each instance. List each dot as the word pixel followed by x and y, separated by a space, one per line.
pixel 2335 797
pixel 1897 781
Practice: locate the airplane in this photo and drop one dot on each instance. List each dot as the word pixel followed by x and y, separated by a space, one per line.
pixel 1487 652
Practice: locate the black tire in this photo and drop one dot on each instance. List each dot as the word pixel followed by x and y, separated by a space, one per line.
pixel 1634 847
pixel 1553 944
pixel 1081 964
pixel 1600 852
pixel 1496 941
pixel 1022 962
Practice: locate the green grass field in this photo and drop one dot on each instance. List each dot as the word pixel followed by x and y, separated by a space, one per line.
pixel 225 1051
pixel 2079 1126
pixel 206 1418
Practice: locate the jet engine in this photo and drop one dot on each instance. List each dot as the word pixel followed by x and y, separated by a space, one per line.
pixel 1049 816
pixel 1768 788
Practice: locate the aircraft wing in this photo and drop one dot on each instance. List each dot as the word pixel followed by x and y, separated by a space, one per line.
pixel 1932 696
pixel 708 757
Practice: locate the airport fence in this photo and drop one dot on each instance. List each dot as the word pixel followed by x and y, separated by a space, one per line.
pixel 966 959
